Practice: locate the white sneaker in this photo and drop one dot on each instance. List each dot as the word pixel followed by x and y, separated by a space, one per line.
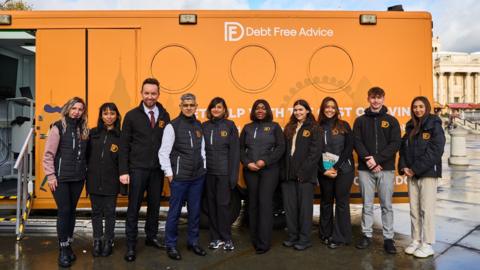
pixel 424 251
pixel 216 244
pixel 412 247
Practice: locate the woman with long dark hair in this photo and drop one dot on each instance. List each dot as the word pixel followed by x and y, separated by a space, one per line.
pixel 64 165
pixel 300 174
pixel 262 145
pixel 336 173
pixel 103 183
pixel 421 161
pixel 223 162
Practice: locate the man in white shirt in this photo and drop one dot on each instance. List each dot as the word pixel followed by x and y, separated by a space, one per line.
pixel 182 159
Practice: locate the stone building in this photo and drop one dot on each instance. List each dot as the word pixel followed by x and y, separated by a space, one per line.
pixel 456 76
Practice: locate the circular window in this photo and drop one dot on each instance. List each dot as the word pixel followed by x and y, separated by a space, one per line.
pixel 175 68
pixel 253 68
pixel 330 68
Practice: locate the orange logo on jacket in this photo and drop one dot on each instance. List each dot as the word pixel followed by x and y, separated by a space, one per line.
pixel 199 133
pixel 426 136
pixel 223 133
pixel 385 124
pixel 306 133
pixel 114 148
pixel 161 124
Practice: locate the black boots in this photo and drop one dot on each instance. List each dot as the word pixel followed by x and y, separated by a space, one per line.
pixel 364 242
pixel 107 248
pixel 63 255
pixel 130 256
pixel 71 255
pixel 389 246
pixel 97 248
pixel 104 249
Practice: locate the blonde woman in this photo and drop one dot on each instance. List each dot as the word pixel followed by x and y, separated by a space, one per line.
pixel 64 165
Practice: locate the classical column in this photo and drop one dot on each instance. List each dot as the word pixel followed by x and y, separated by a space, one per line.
pixel 476 87
pixel 468 88
pixel 441 90
pixel 450 93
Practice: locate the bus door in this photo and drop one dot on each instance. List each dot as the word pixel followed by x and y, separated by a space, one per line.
pixel 98 65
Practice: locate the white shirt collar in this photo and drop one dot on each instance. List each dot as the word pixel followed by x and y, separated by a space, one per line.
pixel 155 110
pixel 147 110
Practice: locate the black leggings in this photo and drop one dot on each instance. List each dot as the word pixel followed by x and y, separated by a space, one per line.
pixel 103 206
pixel 66 197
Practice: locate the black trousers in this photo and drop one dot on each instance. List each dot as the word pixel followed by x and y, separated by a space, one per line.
pixel 66 197
pixel 141 181
pixel 261 186
pixel 298 204
pixel 218 199
pixel 338 190
pixel 103 206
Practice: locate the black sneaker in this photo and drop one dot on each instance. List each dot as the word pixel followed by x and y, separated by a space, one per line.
pixel 335 245
pixel 289 243
pixel 389 246
pixel 364 242
pixel 301 247
pixel 228 245
pixel 325 240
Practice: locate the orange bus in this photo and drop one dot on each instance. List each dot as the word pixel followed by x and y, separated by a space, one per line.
pixel 240 55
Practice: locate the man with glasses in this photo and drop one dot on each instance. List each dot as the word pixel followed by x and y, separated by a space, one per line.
pixel 182 158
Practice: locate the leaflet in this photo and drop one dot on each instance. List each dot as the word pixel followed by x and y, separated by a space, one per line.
pixel 329 160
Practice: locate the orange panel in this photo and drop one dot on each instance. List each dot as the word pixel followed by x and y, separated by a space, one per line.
pixel 334 56
pixel 60 75
pixel 112 70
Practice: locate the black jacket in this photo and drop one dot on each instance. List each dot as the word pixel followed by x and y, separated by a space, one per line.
pixel 423 153
pixel 139 142
pixel 102 156
pixel 70 159
pixel 340 144
pixel 186 155
pixel 261 140
pixel 303 165
pixel 222 148
pixel 377 135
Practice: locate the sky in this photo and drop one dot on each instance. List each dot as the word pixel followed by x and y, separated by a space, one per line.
pixel 456 22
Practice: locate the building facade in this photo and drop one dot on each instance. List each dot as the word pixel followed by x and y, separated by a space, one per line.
pixel 456 76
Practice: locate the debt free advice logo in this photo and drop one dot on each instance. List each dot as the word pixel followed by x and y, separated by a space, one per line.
pixel 235 31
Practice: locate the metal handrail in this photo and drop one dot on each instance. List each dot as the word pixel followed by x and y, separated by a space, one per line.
pixel 23 165
pixel 470 124
pixel 24 148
